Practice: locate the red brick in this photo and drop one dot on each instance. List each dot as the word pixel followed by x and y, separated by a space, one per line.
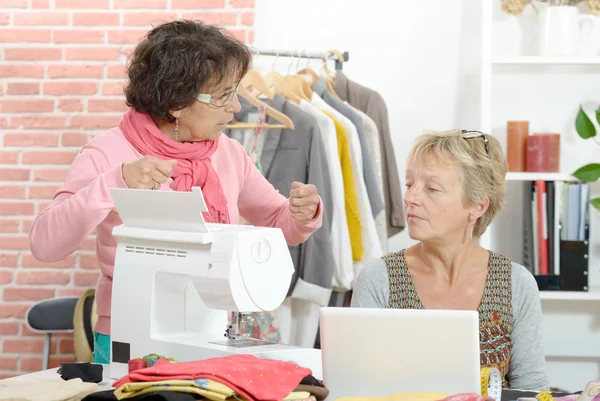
pixel 89 244
pixel 15 242
pixel 86 279
pixel 31 364
pixel 92 54
pixel 74 139
pixel 7 260
pixel 53 277
pixel 7 363
pixel 25 35
pixel 194 4
pixel 5 278
pixel 42 191
pixel 14 4
pixel 27 106
pixel 56 361
pixel 8 328
pixel 241 3
pixel 28 260
pixel 26 226
pixel 248 18
pixel 12 310
pixel 16 209
pixel 40 3
pixel 216 18
pixel 23 346
pixel 113 88
pixel 238 34
pixel 149 18
pixel 41 157
pixel 7 158
pixel 27 139
pixel 95 19
pixel 106 105
pixel 22 88
pixel 8 226
pixel 13 174
pixel 26 294
pixel 137 4
pixel 3 122
pixel 40 18
pixel 70 105
pixel 74 71
pixel 250 37
pixel 32 54
pixel 100 4
pixel 12 192
pixel 4 18
pixel 78 36
pixel 66 346
pixel 95 122
pixel 126 36
pixel 69 88
pixel 55 175
pixel 21 71
pixel 115 71
pixel 39 122
pixel 41 206
pixel 88 262
pixel 71 292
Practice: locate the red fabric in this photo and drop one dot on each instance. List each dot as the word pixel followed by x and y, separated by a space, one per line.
pixel 253 378
pixel 467 397
pixel 193 161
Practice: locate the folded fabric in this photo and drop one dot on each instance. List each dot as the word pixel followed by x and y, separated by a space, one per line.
pixel 209 389
pixel 109 395
pixel 320 393
pixel 70 390
pixel 249 376
pixel 468 397
pixel 91 373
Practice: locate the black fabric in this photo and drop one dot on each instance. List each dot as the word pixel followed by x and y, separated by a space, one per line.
pixel 312 381
pixel 52 314
pixel 85 371
pixel 511 395
pixel 87 320
pixel 157 396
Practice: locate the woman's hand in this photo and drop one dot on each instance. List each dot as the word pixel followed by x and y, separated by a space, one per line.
pixel 147 172
pixel 304 201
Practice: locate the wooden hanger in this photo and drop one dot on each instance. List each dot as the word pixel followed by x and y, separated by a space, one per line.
pixel 252 79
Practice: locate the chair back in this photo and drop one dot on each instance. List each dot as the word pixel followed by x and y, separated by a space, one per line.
pixel 84 319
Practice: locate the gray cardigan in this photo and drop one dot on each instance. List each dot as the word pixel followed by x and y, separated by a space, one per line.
pixel 299 155
pixel 527 369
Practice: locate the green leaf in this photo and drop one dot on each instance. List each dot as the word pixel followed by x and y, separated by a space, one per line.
pixel 583 124
pixel 598 115
pixel 588 173
pixel 596 203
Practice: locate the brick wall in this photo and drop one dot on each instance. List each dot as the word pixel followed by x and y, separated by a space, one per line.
pixel 61 79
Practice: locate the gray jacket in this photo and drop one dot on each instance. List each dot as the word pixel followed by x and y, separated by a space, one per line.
pixel 372 104
pixel 298 155
pixel 375 198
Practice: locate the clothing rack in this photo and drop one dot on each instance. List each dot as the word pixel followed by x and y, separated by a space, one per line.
pixel 335 55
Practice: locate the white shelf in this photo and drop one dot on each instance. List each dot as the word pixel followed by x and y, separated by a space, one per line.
pixel 570 296
pixel 514 176
pixel 539 60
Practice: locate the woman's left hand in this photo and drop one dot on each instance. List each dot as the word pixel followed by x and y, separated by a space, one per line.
pixel 304 201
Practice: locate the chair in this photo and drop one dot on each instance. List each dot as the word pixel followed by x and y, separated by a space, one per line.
pixel 84 319
pixel 51 316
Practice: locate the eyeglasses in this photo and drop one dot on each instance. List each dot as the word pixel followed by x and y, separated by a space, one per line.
pixel 219 101
pixel 476 134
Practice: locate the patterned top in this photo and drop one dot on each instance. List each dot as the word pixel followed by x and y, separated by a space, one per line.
pixel 495 309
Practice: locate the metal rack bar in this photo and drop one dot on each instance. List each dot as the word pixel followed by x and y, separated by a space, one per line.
pixel 303 54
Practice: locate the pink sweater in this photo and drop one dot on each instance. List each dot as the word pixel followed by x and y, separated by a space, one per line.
pixel 83 204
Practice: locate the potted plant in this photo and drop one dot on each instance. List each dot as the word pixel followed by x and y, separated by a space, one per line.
pixel 586 130
pixel 516 7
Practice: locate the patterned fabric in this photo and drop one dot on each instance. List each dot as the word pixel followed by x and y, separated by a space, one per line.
pixel 495 309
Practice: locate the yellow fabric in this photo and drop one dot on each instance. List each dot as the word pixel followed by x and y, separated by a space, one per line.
pixel 207 388
pixel 297 395
pixel 416 396
pixel 69 390
pixel 352 214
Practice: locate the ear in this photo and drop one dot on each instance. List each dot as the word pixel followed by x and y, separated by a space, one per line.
pixel 175 113
pixel 479 207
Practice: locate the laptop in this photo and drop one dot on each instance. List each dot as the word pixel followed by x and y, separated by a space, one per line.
pixel 380 352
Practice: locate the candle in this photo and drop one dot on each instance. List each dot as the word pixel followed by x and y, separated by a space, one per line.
pixel 516 149
pixel 543 152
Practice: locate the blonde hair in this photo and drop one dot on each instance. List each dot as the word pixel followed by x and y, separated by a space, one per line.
pixel 481 174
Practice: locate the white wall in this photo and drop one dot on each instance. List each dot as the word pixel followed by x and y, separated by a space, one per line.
pixel 422 56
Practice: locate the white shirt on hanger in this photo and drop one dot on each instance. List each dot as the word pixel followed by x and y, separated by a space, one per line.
pixel 370 238
pixel 340 236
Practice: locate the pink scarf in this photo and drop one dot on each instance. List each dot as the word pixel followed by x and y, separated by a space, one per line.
pixel 193 161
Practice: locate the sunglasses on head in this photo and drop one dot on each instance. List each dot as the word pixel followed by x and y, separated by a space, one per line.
pixel 466 134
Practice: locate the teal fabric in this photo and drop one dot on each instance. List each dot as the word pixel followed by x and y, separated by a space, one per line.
pixel 101 353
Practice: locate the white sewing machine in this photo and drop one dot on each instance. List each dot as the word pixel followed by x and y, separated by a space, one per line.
pixel 176 277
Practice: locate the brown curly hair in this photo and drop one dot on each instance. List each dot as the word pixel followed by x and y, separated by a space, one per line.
pixel 179 60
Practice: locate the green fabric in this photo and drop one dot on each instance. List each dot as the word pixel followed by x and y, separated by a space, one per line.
pixel 101 353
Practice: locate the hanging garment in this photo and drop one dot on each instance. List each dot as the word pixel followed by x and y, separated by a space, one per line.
pixel 340 235
pixel 372 104
pixel 298 155
pixel 372 136
pixel 250 377
pixel 375 198
pixel 372 247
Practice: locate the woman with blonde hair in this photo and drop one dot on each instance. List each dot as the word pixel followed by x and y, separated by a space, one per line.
pixel 455 187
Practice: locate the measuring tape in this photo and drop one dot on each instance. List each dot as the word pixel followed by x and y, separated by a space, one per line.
pixel 491 383
pixel 544 396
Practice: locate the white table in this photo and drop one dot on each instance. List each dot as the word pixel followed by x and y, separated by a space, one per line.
pixel 52 375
